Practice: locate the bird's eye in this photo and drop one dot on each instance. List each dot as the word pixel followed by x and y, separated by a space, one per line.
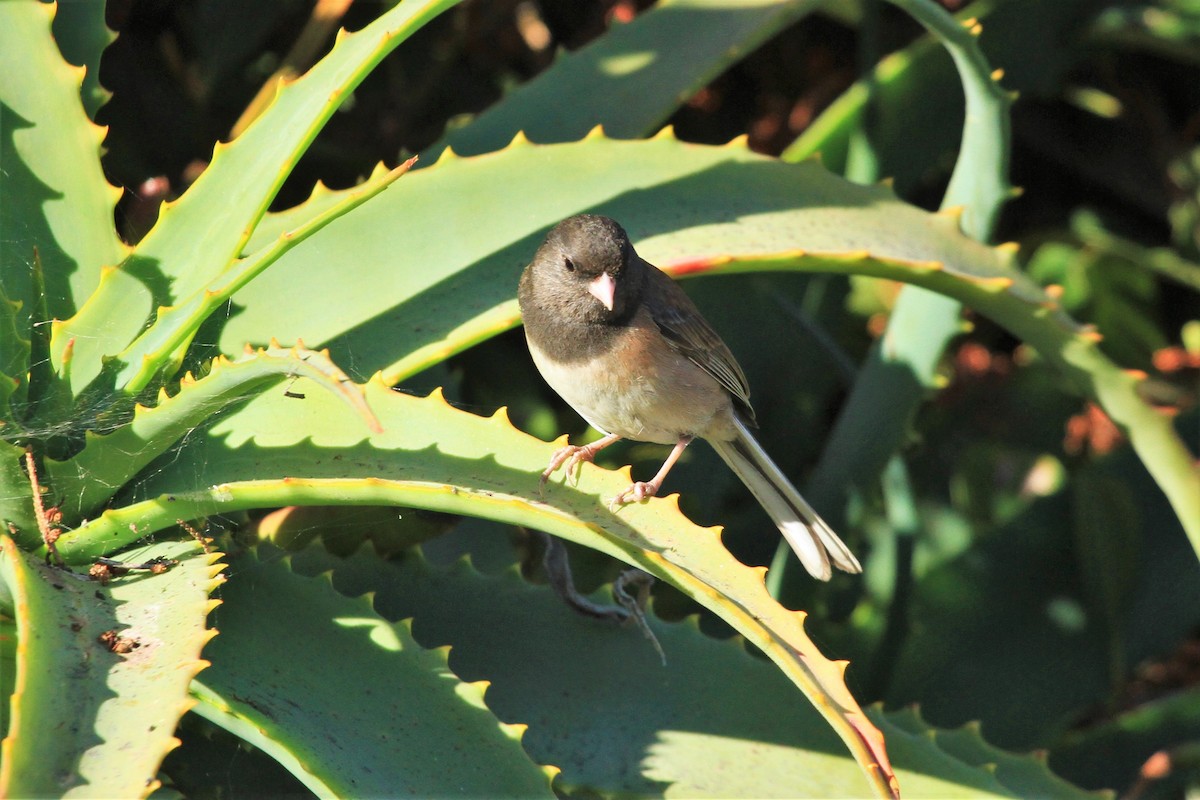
pixel 569 264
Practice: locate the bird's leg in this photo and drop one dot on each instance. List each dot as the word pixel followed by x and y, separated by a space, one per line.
pixel 574 457
pixel 642 489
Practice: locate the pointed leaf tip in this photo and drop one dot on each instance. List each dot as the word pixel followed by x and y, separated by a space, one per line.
pixel 516 730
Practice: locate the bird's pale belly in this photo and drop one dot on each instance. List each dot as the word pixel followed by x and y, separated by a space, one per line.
pixel 644 399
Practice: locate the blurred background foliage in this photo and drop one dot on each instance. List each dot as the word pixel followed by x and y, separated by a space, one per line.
pixel 1023 570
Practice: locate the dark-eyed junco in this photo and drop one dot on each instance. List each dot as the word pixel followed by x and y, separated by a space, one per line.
pixel 628 350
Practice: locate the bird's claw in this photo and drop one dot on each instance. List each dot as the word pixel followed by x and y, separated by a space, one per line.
pixel 571 455
pixel 636 493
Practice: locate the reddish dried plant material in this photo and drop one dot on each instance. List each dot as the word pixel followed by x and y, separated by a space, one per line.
pixel 974 360
pixel 1175 359
pixel 1092 431
pixel 117 643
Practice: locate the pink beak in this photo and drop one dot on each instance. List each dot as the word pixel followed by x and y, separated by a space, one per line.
pixel 603 288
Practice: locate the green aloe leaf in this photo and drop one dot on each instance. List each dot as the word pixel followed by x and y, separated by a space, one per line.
pixel 914 100
pixel 15 352
pixel 16 497
pixel 86 718
pixel 901 368
pixel 980 627
pixel 82 35
pixel 226 202
pixel 687 207
pixel 160 349
pixel 715 721
pixel 434 457
pixel 304 671
pixel 1020 775
pixel 632 78
pixel 447 250
pixel 1112 752
pixel 53 195
pixel 110 460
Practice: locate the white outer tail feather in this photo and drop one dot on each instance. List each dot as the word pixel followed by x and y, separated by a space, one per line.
pixel 813 541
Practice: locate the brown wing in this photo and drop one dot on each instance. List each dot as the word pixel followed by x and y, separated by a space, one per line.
pixel 686 330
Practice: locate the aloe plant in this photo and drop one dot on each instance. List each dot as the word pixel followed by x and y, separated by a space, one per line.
pixel 136 407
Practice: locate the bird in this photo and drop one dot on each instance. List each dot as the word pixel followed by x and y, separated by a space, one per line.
pixel 626 348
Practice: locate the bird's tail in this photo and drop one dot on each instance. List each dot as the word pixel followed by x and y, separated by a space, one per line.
pixel 813 541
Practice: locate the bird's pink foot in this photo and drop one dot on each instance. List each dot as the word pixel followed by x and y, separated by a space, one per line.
pixel 574 456
pixel 636 493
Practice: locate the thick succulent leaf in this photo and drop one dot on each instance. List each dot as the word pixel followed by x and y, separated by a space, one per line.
pixel 160 348
pixel 1112 752
pixel 213 764
pixel 1014 611
pixel 226 202
pixel 110 460
pixel 346 700
pixel 53 195
pixel 16 497
pixel 714 721
pixel 81 35
pixel 437 258
pixel 15 351
pixel 914 97
pixel 434 457
pixel 632 78
pixel 687 207
pixel 88 721
pixel 1020 775
pixel 8 660
pixel 901 368
pixel 979 183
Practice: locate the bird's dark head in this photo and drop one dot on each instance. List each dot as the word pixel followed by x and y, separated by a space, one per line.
pixel 588 269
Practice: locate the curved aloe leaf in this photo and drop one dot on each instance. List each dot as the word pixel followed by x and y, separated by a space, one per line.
pixel 110 460
pixel 914 97
pixel 16 498
pixel 979 182
pixel 901 368
pixel 684 205
pixel 434 457
pixel 437 257
pixel 303 670
pixel 577 682
pixel 632 78
pixel 160 349
pixel 15 352
pixel 16 502
pixel 82 35
pixel 1112 752
pixel 1020 775
pixel 226 202
pixel 86 719
pixel 979 626
pixel 53 195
